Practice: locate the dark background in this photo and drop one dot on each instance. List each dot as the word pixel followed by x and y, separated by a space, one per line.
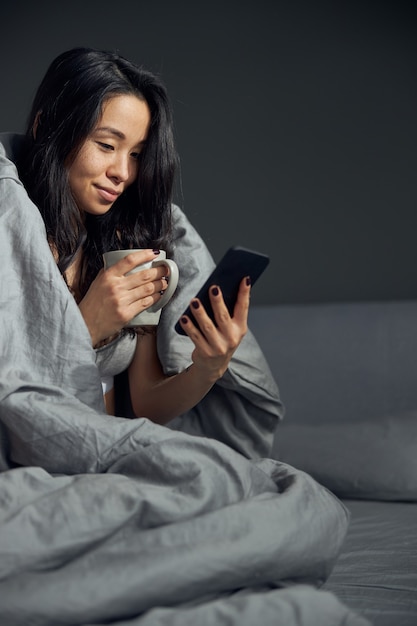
pixel 295 123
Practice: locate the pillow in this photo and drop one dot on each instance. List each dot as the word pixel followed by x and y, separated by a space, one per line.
pixel 374 460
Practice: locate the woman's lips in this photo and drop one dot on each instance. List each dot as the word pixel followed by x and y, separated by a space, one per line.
pixel 107 194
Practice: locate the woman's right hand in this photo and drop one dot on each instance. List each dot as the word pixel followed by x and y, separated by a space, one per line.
pixel 114 297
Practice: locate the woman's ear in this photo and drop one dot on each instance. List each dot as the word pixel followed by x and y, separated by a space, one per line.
pixel 36 123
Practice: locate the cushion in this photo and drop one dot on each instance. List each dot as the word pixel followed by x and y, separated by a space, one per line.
pixel 341 361
pixel 375 459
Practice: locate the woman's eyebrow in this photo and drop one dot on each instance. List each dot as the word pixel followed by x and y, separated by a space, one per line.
pixel 112 131
pixel 118 133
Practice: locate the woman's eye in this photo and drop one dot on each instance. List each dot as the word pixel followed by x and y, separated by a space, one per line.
pixel 136 155
pixel 105 146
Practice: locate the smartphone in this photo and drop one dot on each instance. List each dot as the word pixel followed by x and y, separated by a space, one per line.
pixel 237 263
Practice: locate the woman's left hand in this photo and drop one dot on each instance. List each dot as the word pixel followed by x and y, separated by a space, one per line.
pixel 216 343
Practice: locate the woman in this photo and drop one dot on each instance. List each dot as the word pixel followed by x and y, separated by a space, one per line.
pixel 99 163
pixel 107 504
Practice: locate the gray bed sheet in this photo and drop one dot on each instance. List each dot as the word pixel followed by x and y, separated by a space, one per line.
pixel 376 573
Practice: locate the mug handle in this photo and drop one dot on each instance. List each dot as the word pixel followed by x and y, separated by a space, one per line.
pixel 172 282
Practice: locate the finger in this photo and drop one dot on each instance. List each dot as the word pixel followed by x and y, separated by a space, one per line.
pixel 187 325
pixel 206 326
pixel 241 308
pixel 132 260
pixel 220 310
pixel 153 288
pixel 194 334
pixel 163 284
pixel 143 302
pixel 142 277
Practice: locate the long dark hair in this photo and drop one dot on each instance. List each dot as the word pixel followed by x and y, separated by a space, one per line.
pixel 65 110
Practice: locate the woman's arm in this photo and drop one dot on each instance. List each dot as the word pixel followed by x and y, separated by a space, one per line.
pixel 160 397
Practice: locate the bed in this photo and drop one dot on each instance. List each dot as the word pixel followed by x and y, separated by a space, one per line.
pixel 113 520
pixel 347 374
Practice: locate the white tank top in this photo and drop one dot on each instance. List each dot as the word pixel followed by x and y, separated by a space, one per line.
pixel 115 357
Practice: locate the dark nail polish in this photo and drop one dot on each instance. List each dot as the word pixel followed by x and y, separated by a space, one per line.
pixel 184 320
pixel 195 304
pixel 155 251
pixel 215 291
pixel 248 280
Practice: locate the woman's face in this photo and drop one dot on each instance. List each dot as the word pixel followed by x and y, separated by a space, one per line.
pixel 108 161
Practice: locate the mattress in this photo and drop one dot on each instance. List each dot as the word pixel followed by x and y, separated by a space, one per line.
pixel 376 573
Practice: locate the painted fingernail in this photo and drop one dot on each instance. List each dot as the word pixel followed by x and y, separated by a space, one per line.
pixel 215 291
pixel 248 280
pixel 156 251
pixel 195 304
pixel 184 320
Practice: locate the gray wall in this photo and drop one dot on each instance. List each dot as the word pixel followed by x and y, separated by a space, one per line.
pixel 295 122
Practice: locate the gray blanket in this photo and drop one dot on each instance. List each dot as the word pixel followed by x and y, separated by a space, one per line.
pixel 121 521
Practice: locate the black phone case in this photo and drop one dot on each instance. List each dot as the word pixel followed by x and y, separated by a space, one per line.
pixel 237 263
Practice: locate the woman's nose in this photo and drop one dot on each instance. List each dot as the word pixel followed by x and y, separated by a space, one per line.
pixel 119 169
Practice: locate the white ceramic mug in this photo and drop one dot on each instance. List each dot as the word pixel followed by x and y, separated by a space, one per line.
pixel 151 315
